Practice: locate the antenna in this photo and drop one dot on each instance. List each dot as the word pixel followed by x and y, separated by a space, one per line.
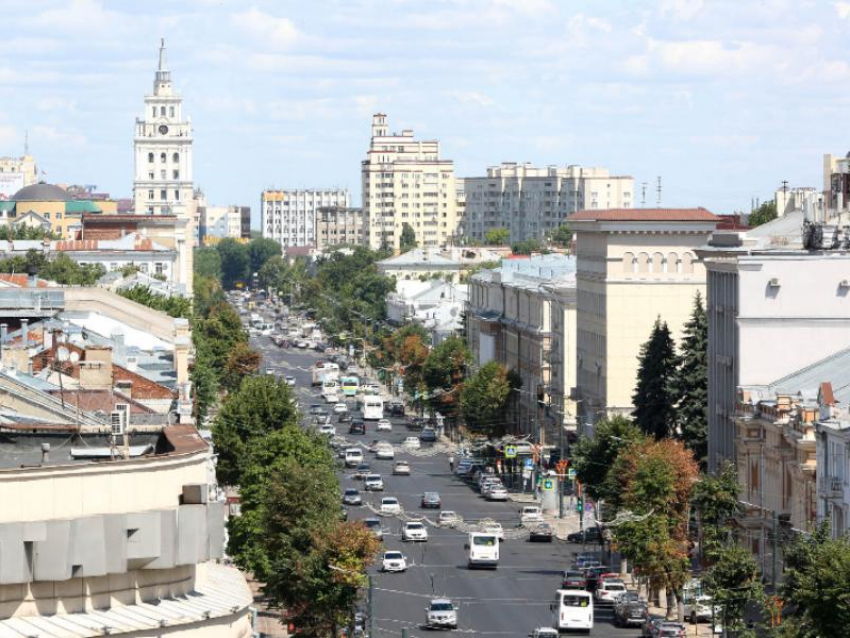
pixel 658 192
pixel 26 143
pixel 643 194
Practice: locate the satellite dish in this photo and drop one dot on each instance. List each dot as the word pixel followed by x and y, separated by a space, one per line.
pixel 63 354
pixel 75 356
pixel 453 312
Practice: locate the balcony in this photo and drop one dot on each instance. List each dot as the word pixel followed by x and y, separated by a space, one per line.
pixel 832 487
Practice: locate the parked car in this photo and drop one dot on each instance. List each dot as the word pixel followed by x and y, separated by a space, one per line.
pixel 441 613
pixel 590 535
pixel 414 531
pixel 397 408
pixel 669 630
pixel 352 497
pixel 608 590
pixel 401 468
pixel 394 562
pixel 373 483
pixel 541 532
pixel 430 500
pixel 573 579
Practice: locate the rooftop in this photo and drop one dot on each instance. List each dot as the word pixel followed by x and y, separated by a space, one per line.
pixel 418 257
pixel 645 215
pixel 41 192
pixel 23 449
pixel 533 271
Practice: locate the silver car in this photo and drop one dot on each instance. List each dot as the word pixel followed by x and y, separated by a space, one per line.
pixel 441 613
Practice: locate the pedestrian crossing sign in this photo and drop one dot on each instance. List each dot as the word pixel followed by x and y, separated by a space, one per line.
pixel 510 451
pixel 548 485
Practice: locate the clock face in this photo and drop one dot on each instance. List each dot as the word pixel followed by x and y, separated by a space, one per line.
pixel 163 129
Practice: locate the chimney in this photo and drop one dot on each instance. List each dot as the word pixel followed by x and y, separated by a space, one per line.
pixel 96 369
pixel 119 354
pixel 45 453
pixel 25 333
pixel 32 278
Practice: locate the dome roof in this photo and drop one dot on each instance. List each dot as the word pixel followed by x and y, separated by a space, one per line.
pixel 41 192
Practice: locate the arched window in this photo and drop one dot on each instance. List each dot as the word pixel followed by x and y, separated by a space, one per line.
pixel 175 158
pixel 658 263
pixel 170 111
pixel 150 158
pixel 162 157
pixel 162 111
pixel 154 111
pixel 643 262
pixel 687 263
pixel 628 262
pixel 672 262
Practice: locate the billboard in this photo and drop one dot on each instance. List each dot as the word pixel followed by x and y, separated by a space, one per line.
pixel 10 183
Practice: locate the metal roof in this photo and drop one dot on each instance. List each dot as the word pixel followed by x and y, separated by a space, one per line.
pixel 834 369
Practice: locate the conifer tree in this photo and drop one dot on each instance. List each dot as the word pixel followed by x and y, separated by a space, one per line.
pixel 654 398
pixel 691 383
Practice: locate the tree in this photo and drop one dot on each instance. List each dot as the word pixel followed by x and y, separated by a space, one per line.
pixel 715 499
pixel 594 456
pixel 654 398
pixel 497 236
pixel 207 262
pixel 261 250
pixel 408 238
pixel 484 397
pixel 817 579
pixel 690 383
pixel 235 262
pixel 734 583
pixel 173 306
pixel 261 405
pixel 526 247
pixel 763 214
pixel 273 273
pixel 443 373
pixel 562 236
pixel 242 361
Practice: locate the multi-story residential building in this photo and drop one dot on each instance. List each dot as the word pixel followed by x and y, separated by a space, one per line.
pixel 163 151
pixel 289 216
pixel 634 266
pixel 460 211
pixel 405 181
pixel 16 173
pixel 833 447
pixel 509 320
pixel 223 221
pixel 338 226
pixel 765 288
pixel 531 202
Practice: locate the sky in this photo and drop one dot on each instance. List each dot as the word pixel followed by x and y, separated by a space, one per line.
pixel 721 99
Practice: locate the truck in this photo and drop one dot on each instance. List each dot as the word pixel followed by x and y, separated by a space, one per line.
pixel 328 372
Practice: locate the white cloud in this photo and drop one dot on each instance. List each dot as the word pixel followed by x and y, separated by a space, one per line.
pixel 56 104
pixel 82 16
pixel 8 136
pixel 682 9
pixel 842 9
pixel 473 98
pixel 54 135
pixel 273 32
pixel 703 57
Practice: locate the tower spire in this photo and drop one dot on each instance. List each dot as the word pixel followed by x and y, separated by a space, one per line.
pixel 163 76
pixel 162 63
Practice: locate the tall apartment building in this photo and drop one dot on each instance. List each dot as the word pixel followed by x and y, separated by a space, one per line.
pixel 224 221
pixel 289 216
pixel 338 226
pixel 406 182
pixel 15 173
pixel 633 267
pixel 163 151
pixel 531 201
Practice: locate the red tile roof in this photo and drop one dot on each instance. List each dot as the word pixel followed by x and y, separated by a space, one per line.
pixel 22 281
pixel 645 215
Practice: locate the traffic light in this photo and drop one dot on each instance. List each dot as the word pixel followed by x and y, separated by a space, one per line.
pixel 579 504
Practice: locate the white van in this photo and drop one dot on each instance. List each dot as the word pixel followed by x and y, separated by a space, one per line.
pixel 573 609
pixel 353 457
pixel 483 550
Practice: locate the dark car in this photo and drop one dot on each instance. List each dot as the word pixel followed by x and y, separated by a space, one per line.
pixel 397 408
pixel 362 471
pixel 541 533
pixel 315 408
pixel 573 579
pixel 590 535
pixel 630 613
pixel 415 423
pixel 358 426
pixel 431 499
pixel 592 575
pixel 428 435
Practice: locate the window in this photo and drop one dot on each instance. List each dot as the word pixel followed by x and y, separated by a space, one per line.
pixel 150 158
pixel 175 158
pixel 150 194
pixel 162 111
pixel 143 268
pixel 170 111
pixel 46 215
pixel 162 195
pixel 176 174
pixel 159 267
pixel 177 194
pixel 162 157
pixel 150 174
pixel 162 173
pixel 113 266
pixel 58 215
pixel 154 111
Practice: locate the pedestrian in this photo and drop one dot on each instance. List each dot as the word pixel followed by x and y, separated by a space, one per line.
pixel 451 463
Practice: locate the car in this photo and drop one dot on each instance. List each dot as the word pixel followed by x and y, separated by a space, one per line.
pixel 401 468
pixel 357 426
pixel 340 408
pixel 393 562
pixel 428 435
pixel 544 632
pixel 390 505
pixel 541 532
pixel 463 466
pixel 496 493
pixel 315 408
pixel 411 443
pixel 384 425
pixel 362 471
pixel 430 500
pixel 448 518
pixel 495 529
pixel 373 483
pixel 374 526
pixel 352 497
pixel 385 452
pixel 397 408
pixel 414 531
pixel 530 514
pixel 327 429
pixel 698 609
pixel 608 590
pixel 593 574
pixel 345 417
pixel 290 380
pixel 630 613
pixel 441 613
pixel 322 419
pixel 415 423
pixel 270 371
pixel 573 579
pixel 583 561
pixel 353 457
pixel 373 445
pixel 668 630
pixel 590 535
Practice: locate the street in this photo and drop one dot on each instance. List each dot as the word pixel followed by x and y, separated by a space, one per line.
pixel 511 600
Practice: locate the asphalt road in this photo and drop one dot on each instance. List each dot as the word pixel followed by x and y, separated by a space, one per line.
pixel 510 601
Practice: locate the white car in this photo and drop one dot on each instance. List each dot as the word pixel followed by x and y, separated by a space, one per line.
pixel 290 380
pixel 414 531
pixel 609 590
pixel 530 514
pixel 353 457
pixel 448 518
pixel 411 443
pixel 328 429
pixel 373 483
pixel 390 505
pixel 340 408
pixel 384 425
pixel 497 493
pixel 441 613
pixel 270 371
pixel 495 529
pixel 394 562
pixel 401 468
pixel 385 452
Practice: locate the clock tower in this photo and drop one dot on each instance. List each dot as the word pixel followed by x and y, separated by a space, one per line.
pixel 163 151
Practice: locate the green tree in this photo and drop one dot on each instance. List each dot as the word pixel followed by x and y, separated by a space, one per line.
pixel 734 584
pixel 443 373
pixel 408 238
pixel 654 397
pixel 484 397
pixel 526 247
pixel 763 214
pixel 497 236
pixel 273 273
pixel 690 383
pixel 261 405
pixel 174 306
pixel 562 236
pixel 260 251
pixel 715 499
pixel 207 262
pixel 235 262
pixel 817 579
pixel 242 361
pixel 594 456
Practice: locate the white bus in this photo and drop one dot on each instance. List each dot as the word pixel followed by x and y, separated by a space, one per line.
pixel 483 550
pixel 573 610
pixel 373 408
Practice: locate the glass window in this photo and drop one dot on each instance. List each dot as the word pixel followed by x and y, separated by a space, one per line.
pixel 150 158
pixel 150 194
pixel 162 111
pixel 175 158
pixel 160 267
pixel 162 195
pixel 575 601
pixel 46 215
pixel 176 194
pixel 170 111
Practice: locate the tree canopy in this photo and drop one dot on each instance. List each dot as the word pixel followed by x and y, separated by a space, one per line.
pixel 654 398
pixel 690 383
pixel 260 251
pixel 594 456
pixel 207 262
pixel 497 236
pixel 484 397
pixel 235 262
pixel 562 236
pixel 764 213
pixel 407 241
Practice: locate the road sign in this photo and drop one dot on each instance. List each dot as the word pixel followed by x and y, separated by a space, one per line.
pixel 529 463
pixel 571 473
pixel 510 451
pixel 548 485
pixel 588 507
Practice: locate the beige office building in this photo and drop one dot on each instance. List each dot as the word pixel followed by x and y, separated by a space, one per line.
pixel 16 173
pixel 405 181
pixel 633 267
pixel 338 226
pixel 531 202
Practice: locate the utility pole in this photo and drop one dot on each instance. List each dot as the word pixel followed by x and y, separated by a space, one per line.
pixel 371 607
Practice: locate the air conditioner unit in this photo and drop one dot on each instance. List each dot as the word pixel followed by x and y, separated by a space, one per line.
pixel 844 283
pixel 773 283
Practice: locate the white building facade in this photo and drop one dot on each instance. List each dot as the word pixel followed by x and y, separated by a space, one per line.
pixel 289 216
pixel 163 151
pixel 405 181
pixel 531 202
pixel 15 173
